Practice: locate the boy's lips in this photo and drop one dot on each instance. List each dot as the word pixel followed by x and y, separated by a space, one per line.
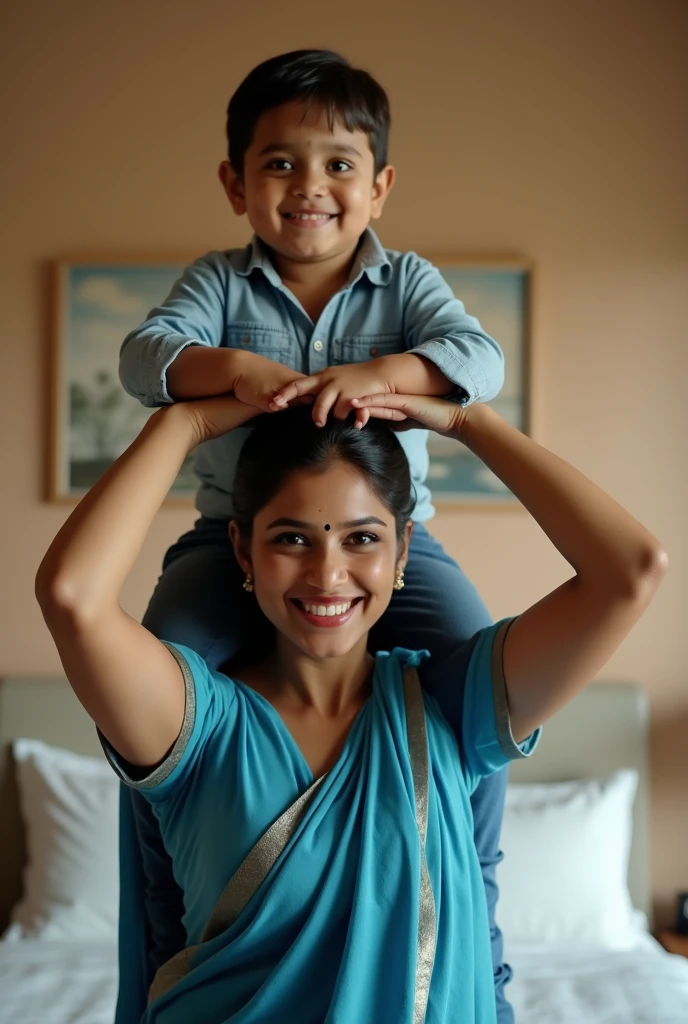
pixel 309 218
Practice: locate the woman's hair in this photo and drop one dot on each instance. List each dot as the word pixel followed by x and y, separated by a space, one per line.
pixel 284 442
pixel 318 78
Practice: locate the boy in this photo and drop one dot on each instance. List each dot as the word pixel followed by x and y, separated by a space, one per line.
pixel 313 309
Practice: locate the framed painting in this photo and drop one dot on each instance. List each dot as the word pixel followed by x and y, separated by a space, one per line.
pixel 498 293
pixel 96 304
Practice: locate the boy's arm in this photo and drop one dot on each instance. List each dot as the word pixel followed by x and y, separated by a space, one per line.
pixel 448 355
pixel 191 321
pixel 438 329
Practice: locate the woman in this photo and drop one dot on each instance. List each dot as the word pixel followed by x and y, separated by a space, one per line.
pixel 316 805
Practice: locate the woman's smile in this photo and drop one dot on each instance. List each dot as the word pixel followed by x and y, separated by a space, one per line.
pixel 327 612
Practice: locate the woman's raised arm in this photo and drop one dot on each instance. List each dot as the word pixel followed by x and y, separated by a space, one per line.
pixel 559 644
pixel 127 680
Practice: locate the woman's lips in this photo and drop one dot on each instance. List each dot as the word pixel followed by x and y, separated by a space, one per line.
pixel 327 614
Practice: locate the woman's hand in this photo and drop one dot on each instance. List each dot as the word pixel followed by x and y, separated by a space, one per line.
pixel 211 417
pixel 407 412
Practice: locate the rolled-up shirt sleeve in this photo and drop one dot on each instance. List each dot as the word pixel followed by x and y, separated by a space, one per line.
pixel 192 314
pixel 437 327
pixel 487 740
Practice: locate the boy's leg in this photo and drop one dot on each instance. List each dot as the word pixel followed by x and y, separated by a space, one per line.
pixel 437 609
pixel 199 600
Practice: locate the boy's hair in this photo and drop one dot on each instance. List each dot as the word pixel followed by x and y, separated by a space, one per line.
pixel 315 77
pixel 284 443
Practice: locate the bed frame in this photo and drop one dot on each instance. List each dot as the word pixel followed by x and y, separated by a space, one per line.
pixel 604 729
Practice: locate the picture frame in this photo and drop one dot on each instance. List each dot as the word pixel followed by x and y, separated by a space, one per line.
pixel 96 302
pixel 498 292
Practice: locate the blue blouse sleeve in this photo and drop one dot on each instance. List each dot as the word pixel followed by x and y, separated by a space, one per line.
pixel 487 741
pixel 210 701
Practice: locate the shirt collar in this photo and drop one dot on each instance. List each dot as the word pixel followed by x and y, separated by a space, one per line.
pixel 371 260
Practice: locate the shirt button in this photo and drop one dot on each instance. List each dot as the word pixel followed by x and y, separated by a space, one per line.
pixel 318 346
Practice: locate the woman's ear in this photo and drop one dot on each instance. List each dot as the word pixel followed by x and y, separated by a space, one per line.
pixel 241 547
pixel 233 186
pixel 404 543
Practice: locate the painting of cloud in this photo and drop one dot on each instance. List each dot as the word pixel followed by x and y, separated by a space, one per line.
pixel 498 297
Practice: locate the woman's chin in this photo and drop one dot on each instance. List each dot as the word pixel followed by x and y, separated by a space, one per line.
pixel 325 644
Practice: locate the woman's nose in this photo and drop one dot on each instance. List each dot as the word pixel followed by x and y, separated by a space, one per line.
pixel 326 570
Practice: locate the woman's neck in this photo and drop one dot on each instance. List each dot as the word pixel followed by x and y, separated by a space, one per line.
pixel 328 686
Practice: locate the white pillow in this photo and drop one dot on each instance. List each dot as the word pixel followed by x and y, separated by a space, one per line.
pixel 564 878
pixel 70 806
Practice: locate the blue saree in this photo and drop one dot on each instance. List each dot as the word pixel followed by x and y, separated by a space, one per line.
pixel 374 908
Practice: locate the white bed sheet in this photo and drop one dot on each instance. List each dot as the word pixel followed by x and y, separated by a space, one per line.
pixel 643 985
pixel 76 983
pixel 43 982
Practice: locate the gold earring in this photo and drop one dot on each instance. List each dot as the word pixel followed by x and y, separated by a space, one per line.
pixel 399 580
pixel 248 583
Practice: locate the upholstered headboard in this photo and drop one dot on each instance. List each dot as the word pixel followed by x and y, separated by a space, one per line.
pixel 604 729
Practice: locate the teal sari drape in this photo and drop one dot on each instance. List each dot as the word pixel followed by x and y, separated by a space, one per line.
pixel 358 919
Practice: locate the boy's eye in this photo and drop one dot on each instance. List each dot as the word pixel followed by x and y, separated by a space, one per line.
pixel 340 165
pixel 290 539
pixel 362 539
pixel 280 164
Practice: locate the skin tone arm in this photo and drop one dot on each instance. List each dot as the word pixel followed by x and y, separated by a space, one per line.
pixel 559 644
pixel 127 680
pixel 200 372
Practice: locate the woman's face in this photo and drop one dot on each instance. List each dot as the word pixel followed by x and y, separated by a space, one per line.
pixel 323 555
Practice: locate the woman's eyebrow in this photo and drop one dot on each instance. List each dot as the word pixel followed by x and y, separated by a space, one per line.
pixel 351 524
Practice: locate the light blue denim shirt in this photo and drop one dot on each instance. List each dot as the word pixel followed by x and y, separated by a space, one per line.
pixel 393 302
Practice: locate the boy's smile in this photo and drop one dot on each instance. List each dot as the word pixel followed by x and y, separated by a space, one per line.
pixel 309 190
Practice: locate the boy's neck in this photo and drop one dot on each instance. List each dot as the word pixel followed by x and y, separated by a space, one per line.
pixel 314 283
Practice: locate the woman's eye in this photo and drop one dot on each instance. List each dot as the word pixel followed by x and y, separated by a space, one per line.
pixel 362 539
pixel 290 539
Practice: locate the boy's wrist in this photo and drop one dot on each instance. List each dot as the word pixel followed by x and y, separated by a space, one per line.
pixel 412 374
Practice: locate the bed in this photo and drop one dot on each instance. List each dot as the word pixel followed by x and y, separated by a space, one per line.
pixel 625 978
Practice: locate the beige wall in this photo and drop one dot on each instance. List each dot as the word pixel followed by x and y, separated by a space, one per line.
pixel 551 129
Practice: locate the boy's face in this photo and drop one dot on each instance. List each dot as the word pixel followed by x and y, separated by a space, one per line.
pixel 309 192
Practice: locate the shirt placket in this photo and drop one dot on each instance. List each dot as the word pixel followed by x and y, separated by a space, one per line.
pixel 319 343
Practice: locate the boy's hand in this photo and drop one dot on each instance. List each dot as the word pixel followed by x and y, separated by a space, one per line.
pixel 257 380
pixel 336 387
